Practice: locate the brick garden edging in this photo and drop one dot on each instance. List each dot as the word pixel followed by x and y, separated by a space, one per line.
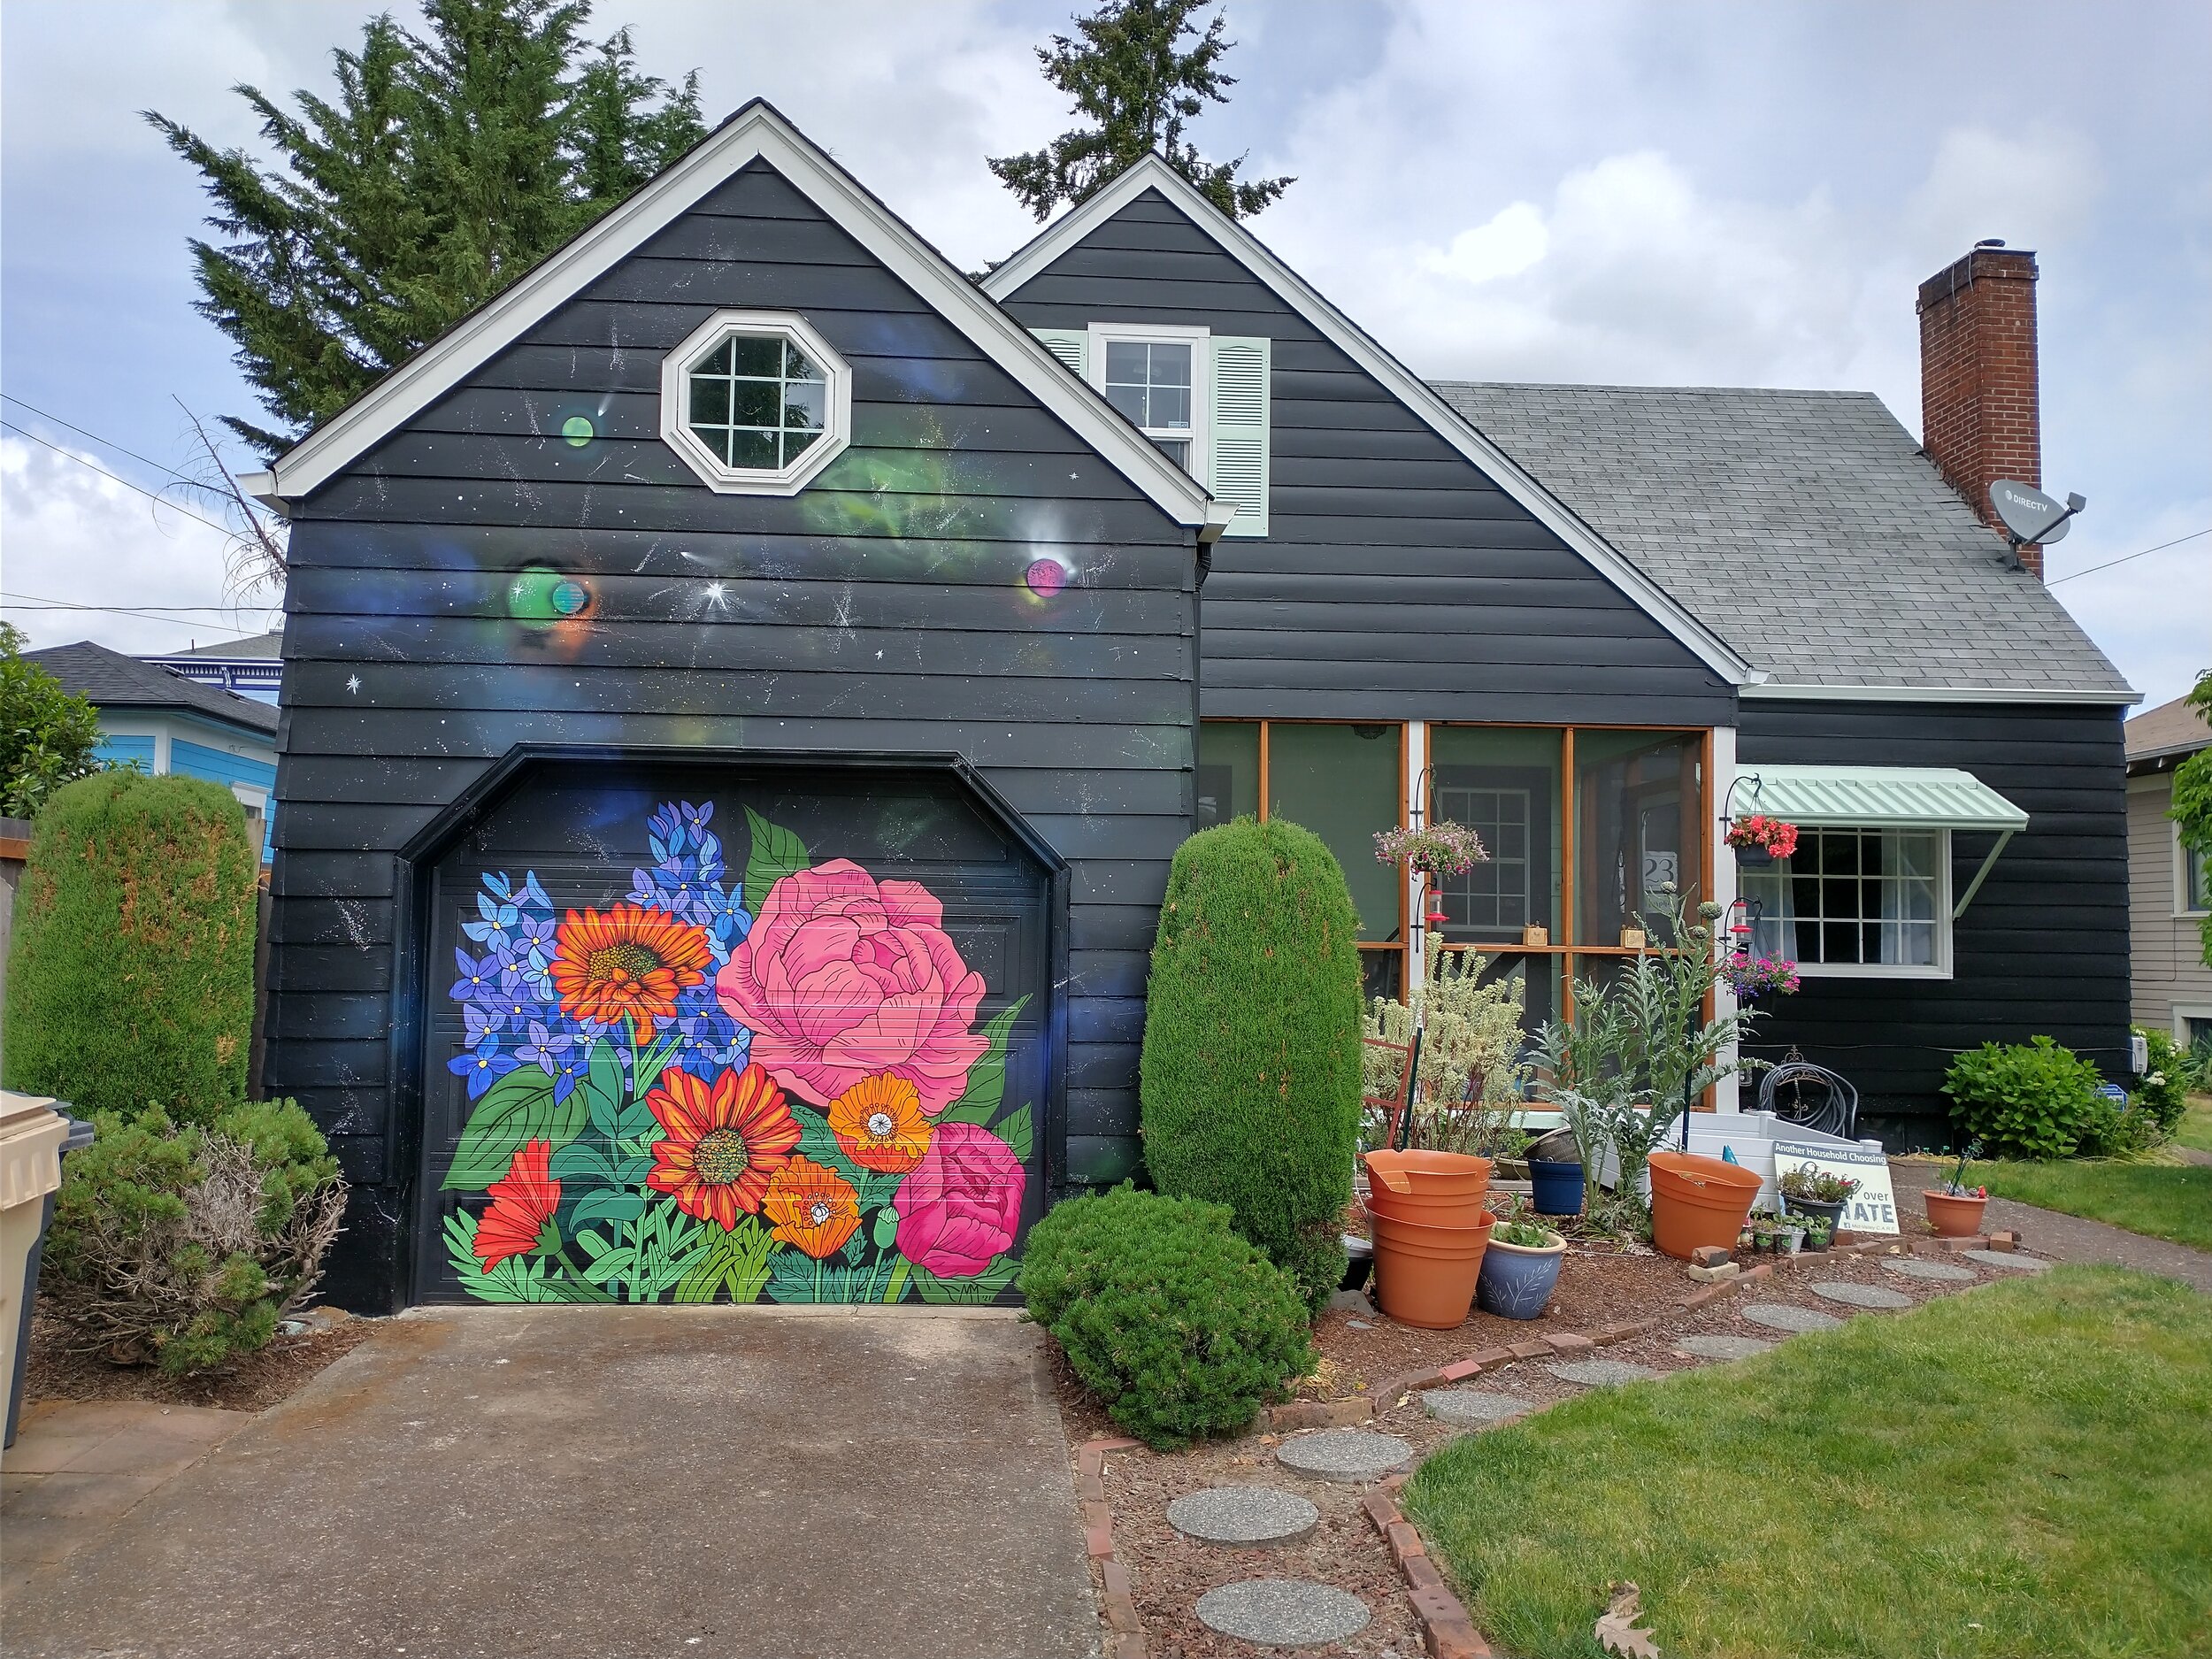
pixel 1445 1627
pixel 1125 1631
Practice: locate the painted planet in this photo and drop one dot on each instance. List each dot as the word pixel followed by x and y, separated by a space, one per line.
pixel 1046 578
pixel 570 596
pixel 578 430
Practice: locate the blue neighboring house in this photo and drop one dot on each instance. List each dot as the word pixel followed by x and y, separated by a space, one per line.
pixel 160 721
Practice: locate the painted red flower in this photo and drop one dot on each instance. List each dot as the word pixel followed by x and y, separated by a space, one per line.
pixel 628 960
pixel 725 1140
pixel 523 1201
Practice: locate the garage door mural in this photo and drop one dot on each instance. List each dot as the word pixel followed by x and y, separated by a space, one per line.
pixel 674 1077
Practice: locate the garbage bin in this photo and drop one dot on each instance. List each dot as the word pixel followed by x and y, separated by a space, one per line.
pixel 34 1133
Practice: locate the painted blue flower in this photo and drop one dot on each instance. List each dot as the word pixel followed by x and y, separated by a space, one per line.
pixel 479 977
pixel 544 1049
pixel 567 1075
pixel 483 1023
pixel 495 919
pixel 482 1066
pixel 534 937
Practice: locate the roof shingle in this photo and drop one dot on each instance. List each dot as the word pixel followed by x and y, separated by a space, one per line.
pixel 113 681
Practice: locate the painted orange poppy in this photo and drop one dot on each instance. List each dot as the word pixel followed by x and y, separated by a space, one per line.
pixel 523 1201
pixel 879 1123
pixel 811 1206
pixel 628 960
pixel 725 1139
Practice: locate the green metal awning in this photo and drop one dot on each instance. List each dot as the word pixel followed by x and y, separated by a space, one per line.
pixel 1880 797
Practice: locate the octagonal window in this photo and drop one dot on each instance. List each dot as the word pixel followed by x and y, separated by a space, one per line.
pixel 756 402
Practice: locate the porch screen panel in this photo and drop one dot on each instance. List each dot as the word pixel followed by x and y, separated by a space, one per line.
pixel 1503 784
pixel 1341 783
pixel 1638 828
pixel 1228 771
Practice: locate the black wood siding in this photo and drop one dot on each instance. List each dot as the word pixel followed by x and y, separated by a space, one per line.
pixel 882 611
pixel 2042 951
pixel 1397 580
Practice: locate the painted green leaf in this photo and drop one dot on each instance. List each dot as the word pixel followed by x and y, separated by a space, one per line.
pixel 733 1264
pixel 985 1286
pixel 518 1107
pixel 978 1103
pixel 775 853
pixel 637 1118
pixel 1014 1130
pixel 601 1089
pixel 603 1205
pixel 517 1278
pixel 817 1142
pixel 590 1164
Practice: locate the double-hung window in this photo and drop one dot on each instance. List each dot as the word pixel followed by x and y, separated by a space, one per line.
pixel 1157 378
pixel 1868 902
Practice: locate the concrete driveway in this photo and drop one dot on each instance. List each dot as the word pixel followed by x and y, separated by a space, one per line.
pixel 594 1483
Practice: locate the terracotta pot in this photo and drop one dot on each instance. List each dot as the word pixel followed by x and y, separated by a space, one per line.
pixel 1438 1189
pixel 1955 1218
pixel 1425 1275
pixel 1698 1201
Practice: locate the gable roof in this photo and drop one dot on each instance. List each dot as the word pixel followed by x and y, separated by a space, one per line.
pixel 256 647
pixel 2171 729
pixel 1153 173
pixel 756 131
pixel 113 681
pixel 1809 529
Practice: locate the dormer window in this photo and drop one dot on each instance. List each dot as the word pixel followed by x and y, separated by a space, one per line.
pixel 1150 382
pixel 755 402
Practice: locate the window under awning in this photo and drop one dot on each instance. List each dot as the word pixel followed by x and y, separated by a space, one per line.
pixel 1881 798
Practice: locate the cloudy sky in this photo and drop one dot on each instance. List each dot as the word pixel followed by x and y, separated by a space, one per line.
pixel 1732 194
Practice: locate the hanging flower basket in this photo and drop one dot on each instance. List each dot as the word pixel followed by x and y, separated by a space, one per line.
pixel 1751 977
pixel 1441 848
pixel 1760 839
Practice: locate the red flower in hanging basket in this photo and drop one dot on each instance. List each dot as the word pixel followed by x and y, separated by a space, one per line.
pixel 1756 829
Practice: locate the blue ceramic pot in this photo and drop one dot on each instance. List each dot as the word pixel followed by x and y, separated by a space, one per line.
pixel 1555 1188
pixel 1517 1280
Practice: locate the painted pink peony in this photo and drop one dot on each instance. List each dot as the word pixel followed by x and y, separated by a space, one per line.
pixel 960 1206
pixel 844 978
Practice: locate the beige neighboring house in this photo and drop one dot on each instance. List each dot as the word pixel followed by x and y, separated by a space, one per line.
pixel 2170 888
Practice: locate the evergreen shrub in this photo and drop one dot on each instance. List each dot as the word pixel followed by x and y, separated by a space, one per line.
pixel 2029 1100
pixel 1180 1327
pixel 1251 1074
pixel 184 1245
pixel 130 982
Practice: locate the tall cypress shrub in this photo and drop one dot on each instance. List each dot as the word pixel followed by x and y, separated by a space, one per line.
pixel 1251 1075
pixel 130 982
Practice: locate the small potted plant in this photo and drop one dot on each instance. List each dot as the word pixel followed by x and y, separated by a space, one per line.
pixel 1520 1269
pixel 1751 977
pixel 1955 1208
pixel 1811 1192
pixel 1818 1233
pixel 1434 850
pixel 1760 839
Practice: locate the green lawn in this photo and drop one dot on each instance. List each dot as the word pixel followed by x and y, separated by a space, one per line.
pixel 2195 1128
pixel 2165 1201
pixel 2019 1469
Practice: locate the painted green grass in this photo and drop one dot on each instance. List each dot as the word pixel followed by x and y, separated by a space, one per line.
pixel 2163 1200
pixel 2195 1128
pixel 2018 1470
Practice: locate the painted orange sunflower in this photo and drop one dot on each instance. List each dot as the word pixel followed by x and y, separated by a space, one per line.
pixel 725 1140
pixel 628 960
pixel 523 1201
pixel 878 1123
pixel 811 1206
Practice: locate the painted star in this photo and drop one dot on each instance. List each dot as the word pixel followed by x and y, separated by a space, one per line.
pixel 353 682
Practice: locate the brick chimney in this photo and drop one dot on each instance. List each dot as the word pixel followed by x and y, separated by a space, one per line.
pixel 1978 416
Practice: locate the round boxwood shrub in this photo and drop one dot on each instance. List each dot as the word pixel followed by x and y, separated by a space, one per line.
pixel 1251 1067
pixel 130 982
pixel 2028 1099
pixel 1179 1326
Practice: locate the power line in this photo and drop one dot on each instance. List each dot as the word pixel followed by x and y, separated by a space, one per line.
pixel 41 602
pixel 96 438
pixel 2123 558
pixel 149 616
pixel 111 477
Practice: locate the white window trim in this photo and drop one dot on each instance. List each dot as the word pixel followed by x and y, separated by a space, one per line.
pixel 2181 912
pixel 716 473
pixel 1201 380
pixel 2182 1013
pixel 1940 969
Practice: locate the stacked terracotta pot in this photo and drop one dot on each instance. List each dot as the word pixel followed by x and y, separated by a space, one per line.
pixel 1430 1228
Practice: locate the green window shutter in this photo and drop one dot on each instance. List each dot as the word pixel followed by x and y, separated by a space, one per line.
pixel 1067 344
pixel 1239 446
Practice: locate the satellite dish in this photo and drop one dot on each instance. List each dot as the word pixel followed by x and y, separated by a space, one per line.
pixel 2030 515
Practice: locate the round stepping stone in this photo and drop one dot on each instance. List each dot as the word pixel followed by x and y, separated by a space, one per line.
pixel 2005 1258
pixel 1914 1267
pixel 1780 1315
pixel 1242 1515
pixel 1723 1347
pixel 1346 1455
pixel 1471 1407
pixel 1596 1373
pixel 1282 1612
pixel 1863 1295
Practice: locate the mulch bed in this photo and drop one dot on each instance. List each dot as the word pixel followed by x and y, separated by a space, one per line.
pixel 253 1383
pixel 1599 1285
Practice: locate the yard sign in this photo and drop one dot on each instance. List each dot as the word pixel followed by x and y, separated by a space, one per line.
pixel 1873 1208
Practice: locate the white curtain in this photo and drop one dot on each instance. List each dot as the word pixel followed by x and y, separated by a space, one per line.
pixel 1908 896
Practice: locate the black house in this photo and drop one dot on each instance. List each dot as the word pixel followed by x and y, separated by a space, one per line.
pixel 743 687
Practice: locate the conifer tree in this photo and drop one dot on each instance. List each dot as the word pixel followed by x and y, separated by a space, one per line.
pixel 1128 77
pixel 445 165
